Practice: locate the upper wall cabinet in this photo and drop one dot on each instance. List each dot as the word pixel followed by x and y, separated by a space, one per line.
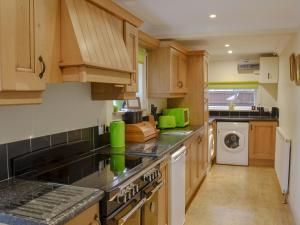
pixel 29 44
pixel 92 43
pixel 269 69
pixel 167 71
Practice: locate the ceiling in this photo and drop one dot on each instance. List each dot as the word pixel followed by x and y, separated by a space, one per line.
pixel 250 27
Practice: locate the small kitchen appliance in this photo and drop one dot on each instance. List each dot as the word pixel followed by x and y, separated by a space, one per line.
pixel 182 116
pixel 165 122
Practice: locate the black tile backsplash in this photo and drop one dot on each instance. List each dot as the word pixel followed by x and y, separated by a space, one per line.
pixel 18 148
pixel 59 139
pixel 3 163
pixel 237 113
pixel 74 135
pixel 45 148
pixel 234 114
pixel 40 143
pixel 244 113
pixel 224 113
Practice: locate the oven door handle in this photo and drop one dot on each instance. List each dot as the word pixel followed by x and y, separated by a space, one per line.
pixel 132 211
pixel 156 189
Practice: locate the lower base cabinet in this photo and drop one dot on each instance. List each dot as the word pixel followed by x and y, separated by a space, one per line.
pixel 195 166
pixel 262 136
pixel 88 217
pixel 163 196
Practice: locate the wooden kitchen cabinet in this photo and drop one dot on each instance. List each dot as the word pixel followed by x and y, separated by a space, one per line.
pixel 29 49
pixel 88 217
pixel 188 174
pixel 262 137
pixel 196 165
pixel 107 91
pixel 163 199
pixel 167 71
pixel 132 42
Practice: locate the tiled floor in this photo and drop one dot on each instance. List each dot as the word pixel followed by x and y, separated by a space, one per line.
pixel 232 195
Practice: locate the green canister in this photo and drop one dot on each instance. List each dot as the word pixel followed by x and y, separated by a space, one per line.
pixel 117 134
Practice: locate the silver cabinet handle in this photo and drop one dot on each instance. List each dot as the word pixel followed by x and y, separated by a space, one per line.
pixel 132 211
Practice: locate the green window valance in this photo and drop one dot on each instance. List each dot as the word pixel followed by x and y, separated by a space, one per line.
pixel 233 85
pixel 141 55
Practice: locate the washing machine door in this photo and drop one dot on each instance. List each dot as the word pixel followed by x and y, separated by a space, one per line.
pixel 233 141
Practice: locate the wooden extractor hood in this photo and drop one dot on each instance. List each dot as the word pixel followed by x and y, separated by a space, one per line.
pixel 92 42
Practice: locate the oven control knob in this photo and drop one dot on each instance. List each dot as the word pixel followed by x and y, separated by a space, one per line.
pixel 122 198
pixel 128 195
pixel 136 188
pixel 147 177
pixel 132 190
pixel 153 175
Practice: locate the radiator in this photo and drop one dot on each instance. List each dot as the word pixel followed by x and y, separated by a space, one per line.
pixel 282 159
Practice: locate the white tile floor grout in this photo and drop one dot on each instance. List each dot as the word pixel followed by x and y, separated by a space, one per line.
pixel 233 195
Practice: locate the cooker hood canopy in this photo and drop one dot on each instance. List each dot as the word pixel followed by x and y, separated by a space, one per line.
pixel 92 43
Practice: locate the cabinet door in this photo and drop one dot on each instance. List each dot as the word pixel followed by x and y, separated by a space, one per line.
pixel 195 172
pixel 88 217
pixel 262 140
pixel 19 52
pixel 150 211
pixel 174 70
pixel 188 188
pixel 163 196
pixel 269 69
pixel 182 74
pixel 131 42
pixel 47 17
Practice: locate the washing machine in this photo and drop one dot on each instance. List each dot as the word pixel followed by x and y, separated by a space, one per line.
pixel 232 143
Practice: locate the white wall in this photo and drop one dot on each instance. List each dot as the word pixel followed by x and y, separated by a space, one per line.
pixel 289 111
pixel 66 107
pixel 226 71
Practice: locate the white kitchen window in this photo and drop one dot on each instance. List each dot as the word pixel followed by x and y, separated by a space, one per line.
pixel 220 99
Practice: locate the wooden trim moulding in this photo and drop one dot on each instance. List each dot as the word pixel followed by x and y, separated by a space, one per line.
pixel 21 97
pixel 166 95
pixel 175 45
pixel 198 52
pixel 86 74
pixel 118 11
pixel 148 42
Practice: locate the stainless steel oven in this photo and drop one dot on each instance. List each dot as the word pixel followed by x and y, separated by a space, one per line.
pixel 142 210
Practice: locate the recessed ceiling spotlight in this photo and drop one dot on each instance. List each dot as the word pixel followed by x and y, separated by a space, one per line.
pixel 227 45
pixel 230 52
pixel 212 16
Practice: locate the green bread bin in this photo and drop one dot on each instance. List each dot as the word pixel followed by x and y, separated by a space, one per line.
pixel 117 134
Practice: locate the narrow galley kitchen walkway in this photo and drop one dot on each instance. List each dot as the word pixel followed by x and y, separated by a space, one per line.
pixel 234 195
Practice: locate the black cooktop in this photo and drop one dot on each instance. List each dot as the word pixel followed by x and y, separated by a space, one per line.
pixel 103 170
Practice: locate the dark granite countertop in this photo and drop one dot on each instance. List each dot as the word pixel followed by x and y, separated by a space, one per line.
pixel 240 119
pixel 24 202
pixel 165 142
pixel 14 190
